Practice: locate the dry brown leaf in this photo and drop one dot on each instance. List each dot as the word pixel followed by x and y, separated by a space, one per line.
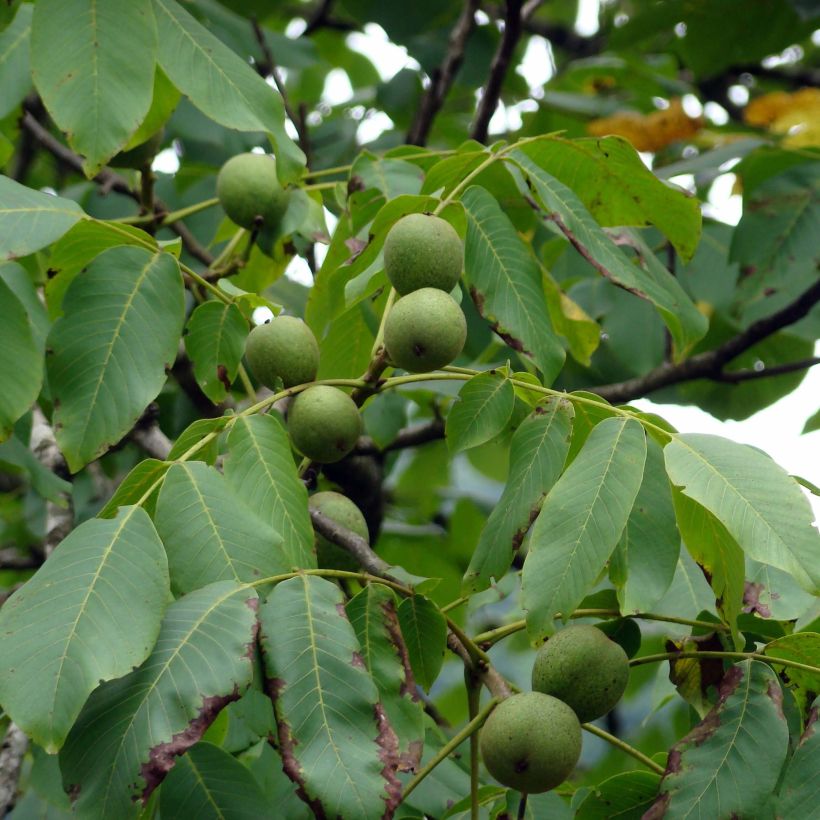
pixel 649 132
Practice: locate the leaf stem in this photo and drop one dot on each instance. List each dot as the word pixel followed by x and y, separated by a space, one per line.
pixel 391 299
pixel 473 726
pixel 246 383
pixel 493 635
pixel 624 747
pixel 319 186
pixel 742 656
pixel 174 216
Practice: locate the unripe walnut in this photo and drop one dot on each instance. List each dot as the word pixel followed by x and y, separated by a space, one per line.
pixel 324 423
pixel 424 330
pixel 531 742
pixel 284 348
pixel 250 192
pixel 423 251
pixel 584 668
pixel 345 513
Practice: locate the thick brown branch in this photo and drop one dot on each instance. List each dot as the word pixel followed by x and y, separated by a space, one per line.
pixel 373 565
pixel 10 558
pixel 110 181
pixel 443 76
pixel 354 544
pixel 710 364
pixel 737 376
pixel 12 752
pixel 498 70
pixel 409 437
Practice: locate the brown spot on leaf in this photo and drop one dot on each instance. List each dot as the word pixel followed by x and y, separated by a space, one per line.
pixel 751 600
pixel 222 375
pixel 162 757
pixel 658 809
pixel 355 183
pixel 357 661
pixel 388 743
pixel 521 532
pixel 774 691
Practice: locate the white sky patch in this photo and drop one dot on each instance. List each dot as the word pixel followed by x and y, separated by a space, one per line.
pixel 722 204
pixel 691 105
pixel 166 162
pixel 299 271
pixel 537 66
pixel 686 181
pixel 716 113
pixel 338 89
pixel 373 126
pixel 388 58
pixel 586 22
pixel 261 315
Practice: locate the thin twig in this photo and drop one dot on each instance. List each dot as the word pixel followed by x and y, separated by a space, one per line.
pixel 737 376
pixel 442 77
pixel 409 437
pixel 624 747
pixel 498 70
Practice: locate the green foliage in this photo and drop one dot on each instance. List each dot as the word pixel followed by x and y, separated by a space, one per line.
pixel 170 641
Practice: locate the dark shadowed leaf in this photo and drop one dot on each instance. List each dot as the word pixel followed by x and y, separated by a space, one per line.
pixel 759 504
pixel 30 220
pixel 209 533
pixel 644 562
pixel 99 90
pixel 581 521
pixel 802 647
pixel 132 729
pixel 425 633
pixel 15 76
pixel 215 340
pixel 102 381
pixel 21 360
pixel 484 407
pixel 537 452
pixel 729 763
pixel 334 737
pixel 717 553
pixel 207 783
pixel 261 470
pixel 625 797
pixel 373 615
pixel 800 788
pixel 146 476
pixel 505 283
pixel 90 614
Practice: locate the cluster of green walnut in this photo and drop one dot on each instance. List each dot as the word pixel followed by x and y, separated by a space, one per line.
pixel 531 741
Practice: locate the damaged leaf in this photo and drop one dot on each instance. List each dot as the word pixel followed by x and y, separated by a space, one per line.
pixel 131 730
pixel 374 618
pixel 334 737
pixel 728 765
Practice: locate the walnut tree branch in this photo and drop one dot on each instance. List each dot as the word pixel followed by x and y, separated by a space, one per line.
pixel 443 76
pixel 372 564
pixel 12 752
pixel 710 364
pixel 110 181
pixel 498 70
pixel 409 437
pixel 59 517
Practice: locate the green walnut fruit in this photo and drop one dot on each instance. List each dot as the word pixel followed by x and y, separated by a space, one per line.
pixel 424 330
pixel 250 193
pixel 423 251
pixel 324 423
pixel 531 742
pixel 140 155
pixel 345 513
pixel 284 348
pixel 583 668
